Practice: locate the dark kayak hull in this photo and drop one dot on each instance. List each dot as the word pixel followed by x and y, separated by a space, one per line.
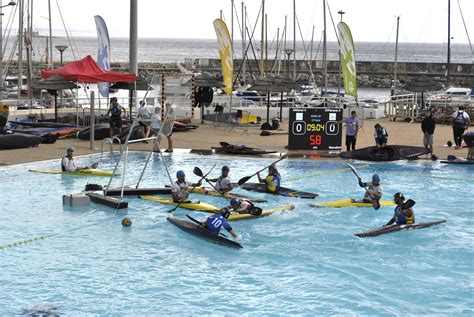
pixel 459 161
pixel 244 151
pixel 287 192
pixel 12 141
pixel 101 131
pixel 395 228
pixel 200 232
pixel 388 153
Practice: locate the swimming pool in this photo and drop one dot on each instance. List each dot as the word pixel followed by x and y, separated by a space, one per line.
pixel 304 262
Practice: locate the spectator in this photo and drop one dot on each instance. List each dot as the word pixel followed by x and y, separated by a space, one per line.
pixel 115 120
pixel 460 123
pixel 428 126
pixel 352 128
pixel 380 135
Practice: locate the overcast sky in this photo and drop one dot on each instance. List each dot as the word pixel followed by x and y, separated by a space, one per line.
pixel 369 20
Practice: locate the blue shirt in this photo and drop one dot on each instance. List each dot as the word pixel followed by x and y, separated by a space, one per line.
pixel 353 125
pixel 216 222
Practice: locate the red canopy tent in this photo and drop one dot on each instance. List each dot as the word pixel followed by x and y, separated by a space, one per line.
pixel 86 70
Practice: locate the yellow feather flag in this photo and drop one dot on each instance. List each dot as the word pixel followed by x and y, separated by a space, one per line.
pixel 225 53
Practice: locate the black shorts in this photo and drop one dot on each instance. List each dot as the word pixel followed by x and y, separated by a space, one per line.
pixel 381 141
pixel 350 139
pixel 115 122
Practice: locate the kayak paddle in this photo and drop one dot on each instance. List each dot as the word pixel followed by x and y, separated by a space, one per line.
pixel 375 203
pixel 246 178
pixel 195 170
pixel 256 211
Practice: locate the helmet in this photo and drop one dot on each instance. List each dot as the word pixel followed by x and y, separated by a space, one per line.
pixel 70 149
pixel 180 174
pixel 272 168
pixel 398 196
pixel 225 168
pixel 376 126
pixel 225 212
pixel 234 202
pixel 376 178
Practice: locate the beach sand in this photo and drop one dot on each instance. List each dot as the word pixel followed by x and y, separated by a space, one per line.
pixel 207 135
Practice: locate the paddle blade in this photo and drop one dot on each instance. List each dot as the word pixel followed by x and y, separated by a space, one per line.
pixel 265 133
pixel 243 180
pixel 197 171
pixel 95 165
pixel 224 144
pixel 376 204
pixel 409 203
pixel 256 211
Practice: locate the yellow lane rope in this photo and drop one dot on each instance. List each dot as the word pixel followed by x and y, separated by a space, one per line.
pixel 342 170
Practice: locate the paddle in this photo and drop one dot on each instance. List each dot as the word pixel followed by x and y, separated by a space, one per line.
pixel 375 203
pixel 246 178
pixel 408 204
pixel 195 170
pixel 201 224
pixel 95 165
pixel 268 133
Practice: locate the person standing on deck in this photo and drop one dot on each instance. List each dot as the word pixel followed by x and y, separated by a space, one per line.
pixel 428 126
pixel 144 114
pixel 115 112
pixel 468 138
pixel 460 123
pixel 223 183
pixel 352 128
pixel 155 127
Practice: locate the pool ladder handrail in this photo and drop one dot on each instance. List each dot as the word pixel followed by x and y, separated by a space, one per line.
pixel 110 141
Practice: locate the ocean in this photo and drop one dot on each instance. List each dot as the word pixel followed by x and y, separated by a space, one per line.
pixel 177 50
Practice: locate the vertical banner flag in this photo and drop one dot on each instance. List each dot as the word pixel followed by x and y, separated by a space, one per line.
pixel 346 47
pixel 225 52
pixel 103 54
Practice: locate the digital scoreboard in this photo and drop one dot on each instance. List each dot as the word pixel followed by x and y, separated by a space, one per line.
pixel 315 129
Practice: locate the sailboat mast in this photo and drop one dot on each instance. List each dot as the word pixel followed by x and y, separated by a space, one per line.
pixel 325 65
pixel 262 39
pixel 232 23
pixel 284 50
pixel 50 36
pixel 20 49
pixel 294 39
pixel 396 54
pixel 243 42
pixel 29 36
pixel 266 43
pixel 448 66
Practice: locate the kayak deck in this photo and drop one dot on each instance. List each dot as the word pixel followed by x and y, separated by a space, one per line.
pixel 84 172
pixel 200 206
pixel 347 202
pixel 265 213
pixel 261 188
pixel 395 228
pixel 203 233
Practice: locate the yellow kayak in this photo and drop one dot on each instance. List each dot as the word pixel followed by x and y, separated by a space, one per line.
pixel 211 192
pixel 348 203
pixel 84 172
pixel 265 213
pixel 192 206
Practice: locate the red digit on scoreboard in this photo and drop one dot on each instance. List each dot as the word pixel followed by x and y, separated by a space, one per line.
pixel 315 139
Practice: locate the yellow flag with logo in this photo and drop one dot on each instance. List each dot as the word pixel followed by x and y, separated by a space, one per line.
pixel 225 53
pixel 346 47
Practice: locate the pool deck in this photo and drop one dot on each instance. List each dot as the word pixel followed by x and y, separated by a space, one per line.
pixel 207 135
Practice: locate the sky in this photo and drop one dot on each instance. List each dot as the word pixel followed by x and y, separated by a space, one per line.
pixel 421 21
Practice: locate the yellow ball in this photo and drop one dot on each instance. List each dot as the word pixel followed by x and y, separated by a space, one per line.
pixel 126 222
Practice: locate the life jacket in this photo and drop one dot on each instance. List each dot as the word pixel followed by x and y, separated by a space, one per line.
pixel 460 119
pixel 116 111
pixel 249 204
pixel 401 218
pixel 273 182
pixel 381 133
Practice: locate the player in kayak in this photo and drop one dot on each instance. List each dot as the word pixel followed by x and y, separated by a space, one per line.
pixel 223 183
pixel 219 220
pixel 69 165
pixel 179 190
pixel 374 190
pixel 242 206
pixel 273 179
pixel 403 214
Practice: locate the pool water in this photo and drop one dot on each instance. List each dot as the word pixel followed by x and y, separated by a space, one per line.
pixel 303 262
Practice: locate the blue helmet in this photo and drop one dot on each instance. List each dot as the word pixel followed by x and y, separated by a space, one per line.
pixel 234 202
pixel 180 174
pixel 225 168
pixel 376 178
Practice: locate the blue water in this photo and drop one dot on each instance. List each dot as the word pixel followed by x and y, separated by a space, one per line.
pixel 304 262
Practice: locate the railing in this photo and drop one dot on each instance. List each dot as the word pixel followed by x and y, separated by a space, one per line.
pixel 110 141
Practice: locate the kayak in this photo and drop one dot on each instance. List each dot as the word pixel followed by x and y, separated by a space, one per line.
pixel 10 141
pixel 203 233
pixel 388 153
pixel 261 188
pixel 210 192
pixel 395 228
pixel 192 206
pixel 348 203
pixel 459 161
pixel 239 149
pixel 84 172
pixel 265 213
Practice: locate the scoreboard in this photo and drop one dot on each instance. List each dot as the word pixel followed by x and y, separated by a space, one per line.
pixel 315 129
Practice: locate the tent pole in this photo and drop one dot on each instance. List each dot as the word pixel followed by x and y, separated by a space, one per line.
pixel 281 107
pixel 92 125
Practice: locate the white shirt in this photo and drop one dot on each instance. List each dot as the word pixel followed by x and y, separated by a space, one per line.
pixel 181 189
pixel 461 115
pixel 144 113
pixel 69 164
pixel 222 183
pixel 374 190
pixel 155 122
